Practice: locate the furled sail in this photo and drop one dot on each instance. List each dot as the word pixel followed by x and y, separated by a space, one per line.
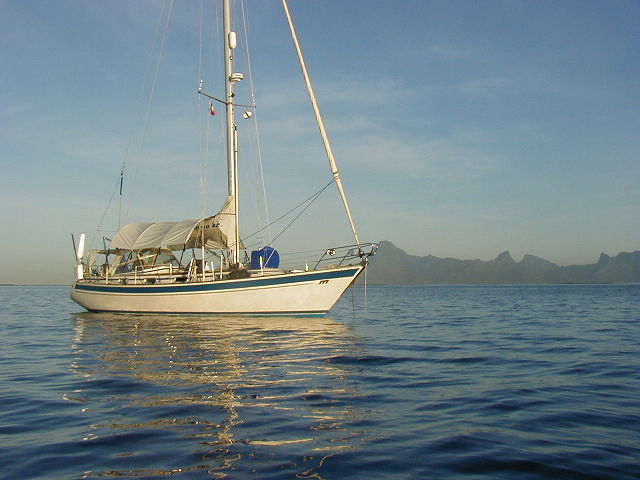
pixel 214 232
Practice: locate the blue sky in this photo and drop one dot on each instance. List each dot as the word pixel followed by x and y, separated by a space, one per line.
pixel 461 129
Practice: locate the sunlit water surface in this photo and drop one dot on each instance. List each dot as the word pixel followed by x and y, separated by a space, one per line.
pixel 534 382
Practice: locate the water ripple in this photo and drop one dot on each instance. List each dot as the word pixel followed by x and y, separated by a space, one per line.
pixel 432 382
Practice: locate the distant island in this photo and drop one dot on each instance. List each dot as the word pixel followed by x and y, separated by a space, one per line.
pixel 393 266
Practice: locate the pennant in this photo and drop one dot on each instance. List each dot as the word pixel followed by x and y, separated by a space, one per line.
pixel 211 109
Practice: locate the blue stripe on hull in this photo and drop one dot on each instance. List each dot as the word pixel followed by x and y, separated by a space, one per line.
pixel 276 280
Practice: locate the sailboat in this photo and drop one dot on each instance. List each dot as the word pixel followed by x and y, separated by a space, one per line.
pixel 197 265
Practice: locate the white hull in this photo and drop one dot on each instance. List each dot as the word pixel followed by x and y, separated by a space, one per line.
pixel 311 293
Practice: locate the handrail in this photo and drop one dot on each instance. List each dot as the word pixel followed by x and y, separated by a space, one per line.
pixel 350 252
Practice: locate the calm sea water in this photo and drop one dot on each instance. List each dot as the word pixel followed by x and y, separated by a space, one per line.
pixel 525 382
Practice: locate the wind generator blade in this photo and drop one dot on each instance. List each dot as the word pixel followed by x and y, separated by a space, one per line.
pixel 75 251
pixel 80 252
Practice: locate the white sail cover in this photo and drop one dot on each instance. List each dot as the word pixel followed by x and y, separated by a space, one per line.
pixel 216 232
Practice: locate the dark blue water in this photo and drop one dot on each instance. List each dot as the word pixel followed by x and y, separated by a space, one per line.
pixel 532 382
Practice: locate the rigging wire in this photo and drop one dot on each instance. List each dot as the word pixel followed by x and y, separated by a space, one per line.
pixel 137 113
pixel 120 180
pixel 205 131
pixel 104 214
pixel 205 126
pixel 203 156
pixel 255 123
pixel 308 201
pixel 365 291
pixel 150 101
pixel 216 38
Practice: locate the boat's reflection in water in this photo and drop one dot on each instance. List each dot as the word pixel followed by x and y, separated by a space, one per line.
pixel 234 387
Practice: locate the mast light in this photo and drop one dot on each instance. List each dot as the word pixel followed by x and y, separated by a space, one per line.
pixel 233 42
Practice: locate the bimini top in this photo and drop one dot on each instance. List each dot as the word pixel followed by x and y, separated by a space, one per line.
pixel 211 232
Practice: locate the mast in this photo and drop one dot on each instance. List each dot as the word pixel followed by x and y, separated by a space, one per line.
pixel 323 133
pixel 232 148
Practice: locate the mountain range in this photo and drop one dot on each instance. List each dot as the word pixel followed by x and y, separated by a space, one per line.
pixel 393 266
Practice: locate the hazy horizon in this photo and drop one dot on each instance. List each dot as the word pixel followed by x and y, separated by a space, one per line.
pixel 516 259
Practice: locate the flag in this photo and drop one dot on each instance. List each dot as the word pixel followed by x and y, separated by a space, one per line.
pixel 211 109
